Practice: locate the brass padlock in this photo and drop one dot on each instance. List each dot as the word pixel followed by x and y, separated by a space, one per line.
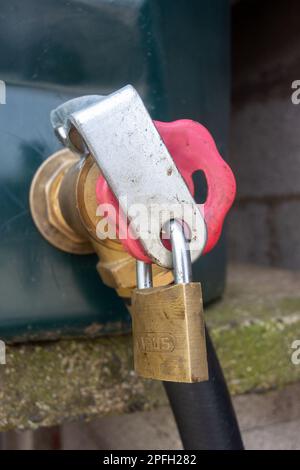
pixel 168 322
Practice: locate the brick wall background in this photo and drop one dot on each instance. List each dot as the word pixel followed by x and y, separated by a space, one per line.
pixel 264 226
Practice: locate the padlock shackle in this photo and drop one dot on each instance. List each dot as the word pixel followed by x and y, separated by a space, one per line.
pixel 182 264
pixel 143 275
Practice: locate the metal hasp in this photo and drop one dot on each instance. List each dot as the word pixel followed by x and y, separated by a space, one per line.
pixel 130 153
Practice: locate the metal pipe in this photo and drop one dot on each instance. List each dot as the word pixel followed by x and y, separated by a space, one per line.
pixel 203 411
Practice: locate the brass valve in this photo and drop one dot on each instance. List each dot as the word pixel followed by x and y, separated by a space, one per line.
pixel 63 206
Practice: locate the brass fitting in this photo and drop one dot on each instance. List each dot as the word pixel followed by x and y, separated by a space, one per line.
pixel 63 206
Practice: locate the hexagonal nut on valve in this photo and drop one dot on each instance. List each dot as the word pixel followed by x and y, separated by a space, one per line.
pixel 45 208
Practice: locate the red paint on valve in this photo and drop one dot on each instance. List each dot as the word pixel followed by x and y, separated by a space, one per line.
pixel 192 149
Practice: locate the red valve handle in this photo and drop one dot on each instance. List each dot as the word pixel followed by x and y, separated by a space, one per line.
pixel 192 148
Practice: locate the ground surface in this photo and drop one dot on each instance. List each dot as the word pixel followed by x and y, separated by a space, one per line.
pixel 268 421
pixel 253 328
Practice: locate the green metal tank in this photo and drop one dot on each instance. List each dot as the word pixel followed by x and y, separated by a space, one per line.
pixel 176 54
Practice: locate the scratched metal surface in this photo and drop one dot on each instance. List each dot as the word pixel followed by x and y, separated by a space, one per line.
pixel 177 58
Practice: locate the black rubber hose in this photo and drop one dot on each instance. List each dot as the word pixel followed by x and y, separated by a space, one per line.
pixel 203 411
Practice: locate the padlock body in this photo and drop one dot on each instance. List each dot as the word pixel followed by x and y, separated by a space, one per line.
pixel 168 333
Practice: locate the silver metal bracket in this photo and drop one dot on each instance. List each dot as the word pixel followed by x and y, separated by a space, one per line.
pixel 119 133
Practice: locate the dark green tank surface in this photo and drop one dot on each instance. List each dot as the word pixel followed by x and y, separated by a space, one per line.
pixel 176 53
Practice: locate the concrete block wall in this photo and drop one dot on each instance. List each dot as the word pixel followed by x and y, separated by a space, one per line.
pixel 264 226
